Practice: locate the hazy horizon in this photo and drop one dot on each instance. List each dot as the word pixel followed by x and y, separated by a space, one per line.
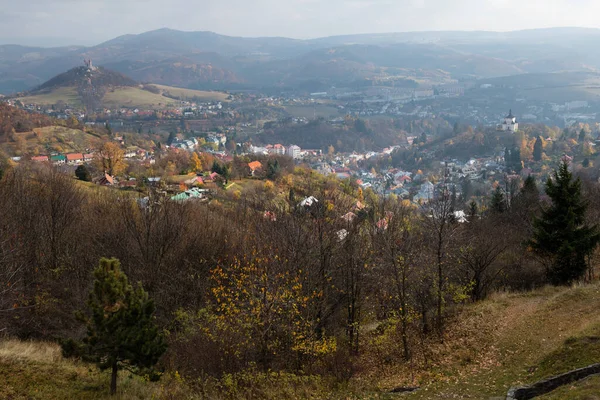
pixel 89 22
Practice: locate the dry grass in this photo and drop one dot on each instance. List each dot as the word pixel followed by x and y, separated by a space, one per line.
pixel 66 94
pixel 318 110
pixel 508 340
pixel 134 97
pixel 36 370
pixel 184 94
pixel 16 350
pixel 52 138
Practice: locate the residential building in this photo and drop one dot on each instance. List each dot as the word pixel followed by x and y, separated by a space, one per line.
pixel 58 159
pixel 278 149
pixel 254 166
pixel 293 151
pixel 74 158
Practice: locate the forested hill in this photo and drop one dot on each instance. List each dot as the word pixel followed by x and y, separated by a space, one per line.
pixel 13 119
pixel 98 77
pixel 304 286
pixel 352 134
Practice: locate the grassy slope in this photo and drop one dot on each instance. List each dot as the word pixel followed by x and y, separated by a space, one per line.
pixel 67 94
pixel 587 389
pixel 183 93
pixel 517 339
pixel 37 371
pixel 52 138
pixel 132 97
pixel 319 110
pixel 503 342
pixel 135 97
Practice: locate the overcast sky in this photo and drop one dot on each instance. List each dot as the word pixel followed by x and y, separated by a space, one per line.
pixel 61 22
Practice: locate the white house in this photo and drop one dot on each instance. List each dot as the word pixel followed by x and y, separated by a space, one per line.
pixel 510 123
pixel 308 202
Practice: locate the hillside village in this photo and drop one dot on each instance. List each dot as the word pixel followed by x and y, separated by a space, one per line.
pixel 465 178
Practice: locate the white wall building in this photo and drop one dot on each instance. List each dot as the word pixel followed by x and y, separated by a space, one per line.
pixel 278 149
pixel 510 123
pixel 293 151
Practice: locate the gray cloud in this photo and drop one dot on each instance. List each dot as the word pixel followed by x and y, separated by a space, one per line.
pixel 93 21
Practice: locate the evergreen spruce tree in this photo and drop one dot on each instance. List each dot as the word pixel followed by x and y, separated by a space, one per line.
pixel 216 167
pixel 473 209
pixel 537 149
pixel 498 202
pixel 171 138
pixel 273 169
pixel 120 330
pixel 530 188
pixel 561 234
pixel 586 163
pixel 516 159
pixel 527 202
pixel 83 174
pixel 582 135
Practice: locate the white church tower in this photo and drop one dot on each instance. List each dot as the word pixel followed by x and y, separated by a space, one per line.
pixel 510 123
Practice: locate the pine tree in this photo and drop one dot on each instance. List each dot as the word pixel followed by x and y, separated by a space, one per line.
pixel 507 156
pixel 83 174
pixel 273 169
pixel 582 135
pixel 561 234
pixel 526 203
pixel 516 159
pixel 120 331
pixel 171 138
pixel 529 188
pixel 216 167
pixel 473 209
pixel 498 203
pixel 537 149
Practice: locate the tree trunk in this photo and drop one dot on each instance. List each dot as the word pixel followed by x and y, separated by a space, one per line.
pixel 113 379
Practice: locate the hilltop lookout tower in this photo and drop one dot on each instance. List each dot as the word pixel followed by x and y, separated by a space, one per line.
pixel 88 64
pixel 510 123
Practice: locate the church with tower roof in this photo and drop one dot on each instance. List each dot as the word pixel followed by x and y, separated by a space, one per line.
pixel 510 123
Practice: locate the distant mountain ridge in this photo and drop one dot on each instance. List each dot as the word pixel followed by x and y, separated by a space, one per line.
pixel 209 60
